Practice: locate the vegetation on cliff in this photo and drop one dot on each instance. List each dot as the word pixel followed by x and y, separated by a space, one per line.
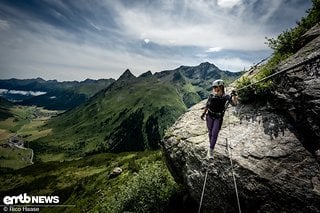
pixel 285 45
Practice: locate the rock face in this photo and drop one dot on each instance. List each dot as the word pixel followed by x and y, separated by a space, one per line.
pixel 273 170
pixel 298 91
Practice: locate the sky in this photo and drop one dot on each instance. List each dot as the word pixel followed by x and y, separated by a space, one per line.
pixel 80 39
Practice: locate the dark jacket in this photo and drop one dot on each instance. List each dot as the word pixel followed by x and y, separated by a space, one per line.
pixel 216 104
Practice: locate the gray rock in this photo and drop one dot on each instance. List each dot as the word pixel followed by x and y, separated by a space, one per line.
pixel 115 172
pixel 311 34
pixel 298 91
pixel 273 170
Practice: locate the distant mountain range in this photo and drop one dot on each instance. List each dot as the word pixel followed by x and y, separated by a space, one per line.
pixel 51 94
pixel 132 113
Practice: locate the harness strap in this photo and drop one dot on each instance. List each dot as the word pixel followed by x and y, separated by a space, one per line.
pixel 214 114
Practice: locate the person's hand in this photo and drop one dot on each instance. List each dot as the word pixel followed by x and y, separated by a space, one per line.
pixel 202 116
pixel 234 98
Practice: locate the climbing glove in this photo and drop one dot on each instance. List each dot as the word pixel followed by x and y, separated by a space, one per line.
pixel 233 93
pixel 203 115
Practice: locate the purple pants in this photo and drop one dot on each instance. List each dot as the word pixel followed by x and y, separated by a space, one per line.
pixel 213 125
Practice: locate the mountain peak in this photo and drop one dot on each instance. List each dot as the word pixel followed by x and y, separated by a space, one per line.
pixel 207 64
pixel 146 74
pixel 40 80
pixel 126 75
pixel 88 80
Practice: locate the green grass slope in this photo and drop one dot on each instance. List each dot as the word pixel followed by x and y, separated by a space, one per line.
pixel 4 109
pixel 130 115
pixel 87 184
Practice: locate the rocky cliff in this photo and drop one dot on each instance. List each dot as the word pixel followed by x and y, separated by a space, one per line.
pixel 274 147
pixel 298 91
pixel 274 171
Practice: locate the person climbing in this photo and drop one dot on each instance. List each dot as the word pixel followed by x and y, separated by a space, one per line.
pixel 214 111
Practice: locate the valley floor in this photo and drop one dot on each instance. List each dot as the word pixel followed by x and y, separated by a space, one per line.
pixel 18 131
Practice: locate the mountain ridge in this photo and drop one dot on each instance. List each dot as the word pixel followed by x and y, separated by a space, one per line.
pixel 130 114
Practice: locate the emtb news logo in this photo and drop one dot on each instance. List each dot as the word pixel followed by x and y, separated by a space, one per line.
pixel 26 199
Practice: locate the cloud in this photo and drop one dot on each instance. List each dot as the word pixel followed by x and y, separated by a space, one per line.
pixel 204 23
pixel 70 40
pixel 232 64
pixel 214 49
pixel 228 3
pixel 52 58
pixel 4 25
pixel 21 92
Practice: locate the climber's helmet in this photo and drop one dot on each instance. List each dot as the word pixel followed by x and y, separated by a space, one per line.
pixel 217 83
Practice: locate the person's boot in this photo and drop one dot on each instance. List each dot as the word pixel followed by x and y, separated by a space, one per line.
pixel 210 153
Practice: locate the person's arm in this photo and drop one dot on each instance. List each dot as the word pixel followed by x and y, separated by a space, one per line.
pixel 204 113
pixel 206 107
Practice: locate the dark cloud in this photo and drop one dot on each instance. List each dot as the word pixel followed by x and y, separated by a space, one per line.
pixel 71 16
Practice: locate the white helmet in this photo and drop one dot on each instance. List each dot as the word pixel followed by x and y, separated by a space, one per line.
pixel 217 83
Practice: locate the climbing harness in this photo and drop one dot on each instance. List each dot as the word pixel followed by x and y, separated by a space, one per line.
pixel 216 104
pixel 214 114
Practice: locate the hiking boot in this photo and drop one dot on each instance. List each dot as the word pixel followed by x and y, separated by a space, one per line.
pixel 210 153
